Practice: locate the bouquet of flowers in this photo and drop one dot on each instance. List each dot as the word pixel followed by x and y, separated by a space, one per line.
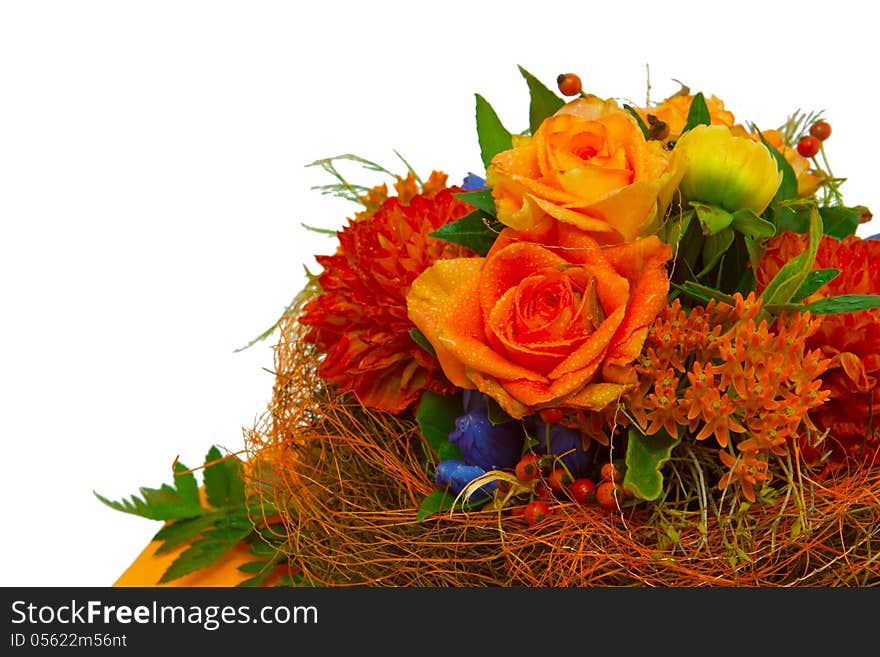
pixel 640 348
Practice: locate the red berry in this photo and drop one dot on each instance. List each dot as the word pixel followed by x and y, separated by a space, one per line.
pixel 559 480
pixel 808 146
pixel 821 130
pixel 569 84
pixel 610 472
pixel 609 495
pixel 582 490
pixel 528 467
pixel 542 491
pixel 535 511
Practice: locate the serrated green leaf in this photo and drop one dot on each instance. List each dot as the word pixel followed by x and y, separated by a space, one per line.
pixel 645 456
pixel 543 102
pixel 224 485
pixel 698 113
pixel 255 567
pixel 481 199
pixel 262 549
pixel 164 503
pixel 178 532
pixel 420 339
pixel 791 276
pixel 813 281
pixel 492 136
pixel 844 303
pixel 476 231
pixel 638 118
pixel 185 483
pixel 207 550
pixel 436 417
pixel 839 221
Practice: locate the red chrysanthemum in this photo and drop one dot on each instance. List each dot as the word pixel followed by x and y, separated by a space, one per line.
pixel 851 340
pixel 359 320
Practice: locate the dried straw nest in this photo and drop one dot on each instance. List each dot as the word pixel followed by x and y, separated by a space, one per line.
pixel 348 483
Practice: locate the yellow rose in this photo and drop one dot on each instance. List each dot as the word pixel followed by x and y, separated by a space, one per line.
pixel 733 173
pixel 808 182
pixel 588 165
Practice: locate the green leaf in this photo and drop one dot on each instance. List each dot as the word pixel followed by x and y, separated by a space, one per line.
pixel 491 133
pixel 179 532
pixel 845 303
pixel 792 274
pixel 215 543
pixel 436 417
pixel 420 339
pixel 185 483
pixel 839 221
pixel 223 483
pixel 645 456
pixel 438 500
pixel 544 102
pixel 813 281
pixel 441 500
pixel 788 188
pixel 698 113
pixel 638 118
pixel 256 567
pixel 714 248
pixel 751 225
pixel 476 231
pixel 675 229
pixel 494 413
pixel 712 219
pixel 705 293
pixel 481 199
pixel 165 503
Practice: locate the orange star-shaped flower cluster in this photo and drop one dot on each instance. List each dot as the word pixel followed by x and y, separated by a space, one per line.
pixel 721 372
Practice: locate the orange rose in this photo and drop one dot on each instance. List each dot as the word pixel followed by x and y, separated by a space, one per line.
pixel 588 165
pixel 548 318
pixel 674 112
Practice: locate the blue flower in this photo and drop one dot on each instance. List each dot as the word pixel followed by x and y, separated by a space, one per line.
pixel 491 447
pixel 456 474
pixel 472 183
pixel 874 237
pixel 562 441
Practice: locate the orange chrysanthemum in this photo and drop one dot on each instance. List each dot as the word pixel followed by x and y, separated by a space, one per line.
pixel 850 340
pixel 359 320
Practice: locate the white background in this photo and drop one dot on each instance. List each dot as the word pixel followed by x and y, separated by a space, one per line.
pixel 153 183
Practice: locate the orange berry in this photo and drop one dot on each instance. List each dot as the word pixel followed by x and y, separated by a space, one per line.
pixel 569 84
pixel 609 495
pixel 610 472
pixel 559 480
pixel 528 467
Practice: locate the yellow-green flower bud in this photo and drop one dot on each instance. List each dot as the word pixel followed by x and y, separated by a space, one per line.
pixel 733 173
